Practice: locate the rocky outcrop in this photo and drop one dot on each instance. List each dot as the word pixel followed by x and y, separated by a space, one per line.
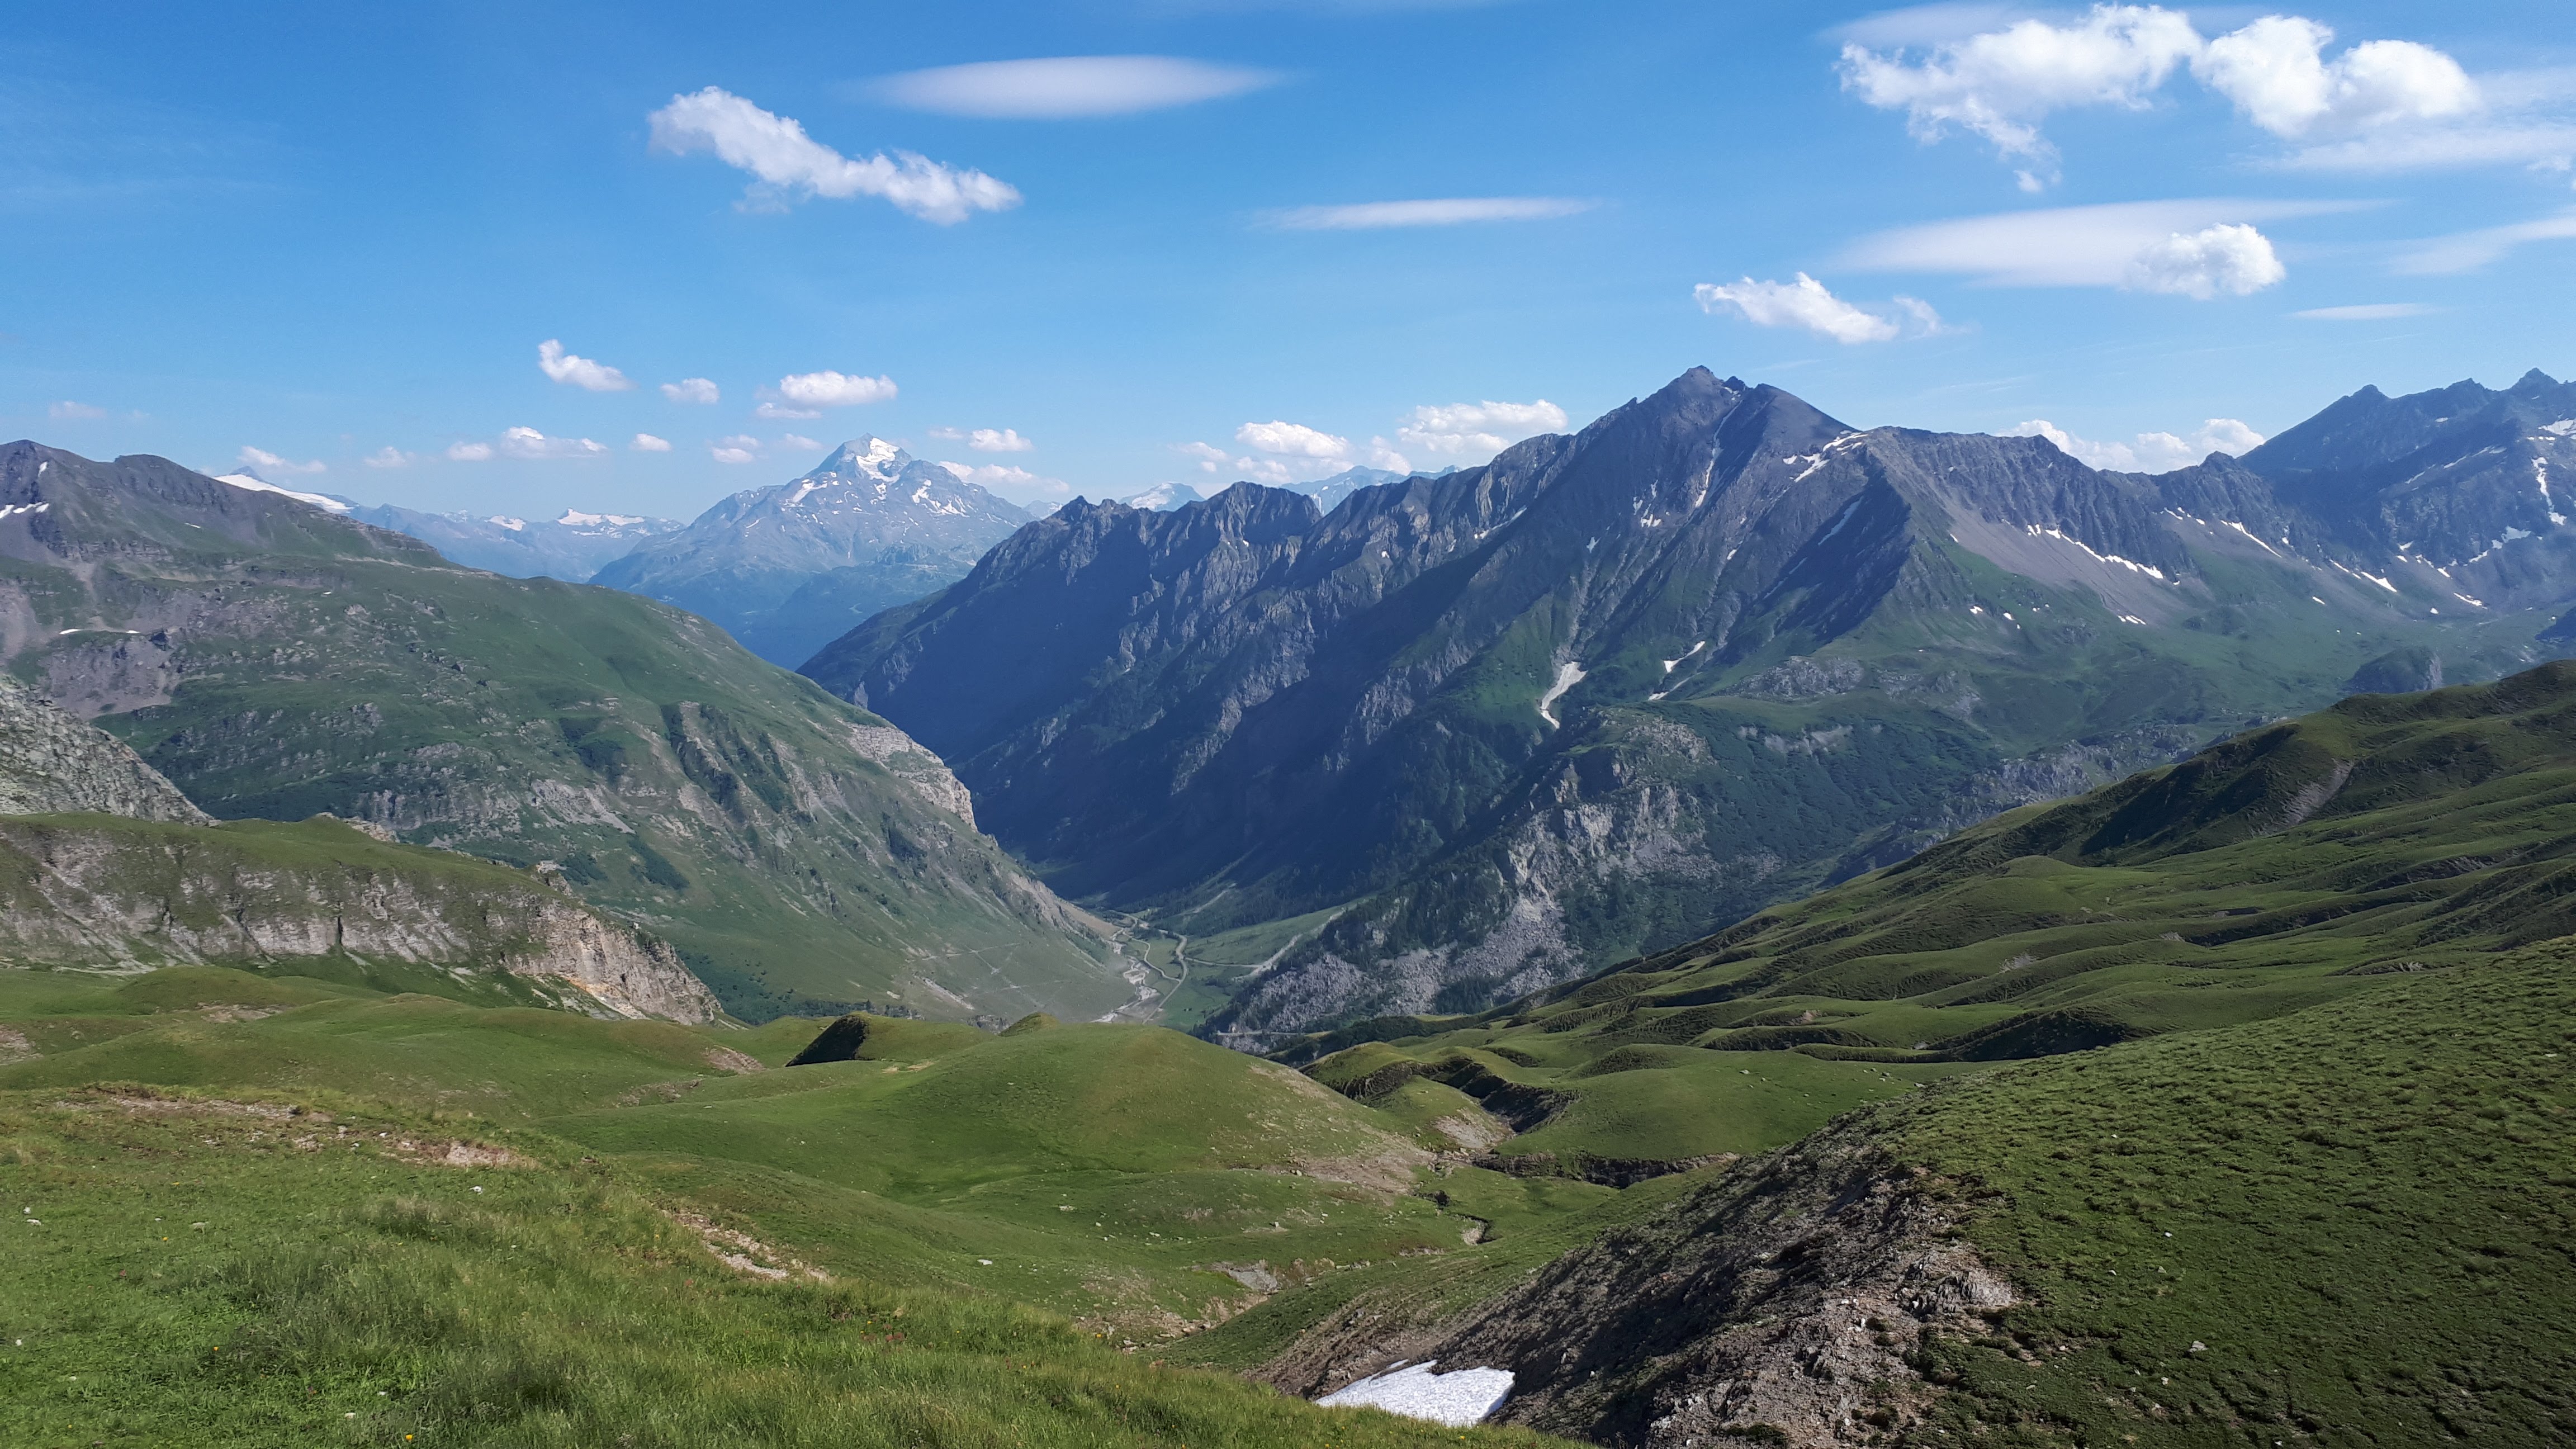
pixel 51 763
pixel 1781 1304
pixel 122 895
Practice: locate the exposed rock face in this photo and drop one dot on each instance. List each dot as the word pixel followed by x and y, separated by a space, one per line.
pixel 1613 690
pixel 1779 1304
pixel 134 896
pixel 790 568
pixel 51 763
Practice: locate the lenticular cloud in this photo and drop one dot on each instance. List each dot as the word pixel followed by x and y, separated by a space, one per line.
pixel 787 162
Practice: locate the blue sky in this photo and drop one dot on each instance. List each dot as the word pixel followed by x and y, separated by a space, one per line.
pixel 331 233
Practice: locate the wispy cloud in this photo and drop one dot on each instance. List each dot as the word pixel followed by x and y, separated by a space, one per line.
pixel 1807 304
pixel 740 448
pixel 2071 246
pixel 68 411
pixel 1067 87
pixel 388 456
pixel 2366 312
pixel 691 390
pixel 580 372
pixel 1451 211
pixel 2469 250
pixel 647 443
pixel 786 162
pixel 1010 481
pixel 986 440
pixel 530 444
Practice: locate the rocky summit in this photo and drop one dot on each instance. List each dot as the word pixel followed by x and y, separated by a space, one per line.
pixel 787 569
pixel 1615 689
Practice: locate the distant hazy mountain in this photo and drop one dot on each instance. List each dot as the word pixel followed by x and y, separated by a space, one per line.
pixel 1615 689
pixel 788 569
pixel 571 548
pixel 1164 497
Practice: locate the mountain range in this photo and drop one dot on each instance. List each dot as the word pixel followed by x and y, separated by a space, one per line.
pixel 571 547
pixel 1476 734
pixel 787 569
pixel 276 660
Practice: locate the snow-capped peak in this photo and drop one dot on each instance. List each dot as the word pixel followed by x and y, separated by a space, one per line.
pixel 575 518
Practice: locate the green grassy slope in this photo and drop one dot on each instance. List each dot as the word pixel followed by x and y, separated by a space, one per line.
pixel 2280 869
pixel 2358 1213
pixel 217 1271
pixel 276 662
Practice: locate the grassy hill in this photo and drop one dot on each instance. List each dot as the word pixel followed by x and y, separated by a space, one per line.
pixel 2283 868
pixel 280 1210
pixel 276 661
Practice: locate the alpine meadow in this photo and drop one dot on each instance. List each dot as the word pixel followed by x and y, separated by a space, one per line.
pixel 1297 725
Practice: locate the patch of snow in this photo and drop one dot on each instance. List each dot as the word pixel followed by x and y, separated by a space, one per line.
pixel 14 509
pixel 1568 675
pixel 1844 517
pixel 1672 664
pixel 2249 533
pixel 2110 558
pixel 1976 608
pixel 2312 596
pixel 2364 574
pixel 512 524
pixel 2465 599
pixel 249 484
pixel 2564 427
pixel 574 518
pixel 2131 619
pixel 1455 1400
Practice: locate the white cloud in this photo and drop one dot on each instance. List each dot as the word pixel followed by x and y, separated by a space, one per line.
pixel 1016 483
pixel 775 412
pixel 999 440
pixel 2276 72
pixel 68 411
pixel 1452 211
pixel 530 444
pixel 691 390
pixel 833 390
pixel 647 443
pixel 1210 457
pixel 799 443
pixel 1294 440
pixel 2366 312
pixel 2230 257
pixel 2070 246
pixel 1476 430
pixel 2002 83
pixel 1062 87
pixel 786 161
pixel 1806 303
pixel 2469 250
pixel 262 458
pixel 469 452
pixel 2151 452
pixel 740 448
pixel 581 372
pixel 388 456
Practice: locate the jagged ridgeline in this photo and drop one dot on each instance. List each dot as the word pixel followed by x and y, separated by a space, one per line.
pixel 276 662
pixel 1466 737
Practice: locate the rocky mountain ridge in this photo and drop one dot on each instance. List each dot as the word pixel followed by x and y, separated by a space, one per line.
pixel 1615 688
